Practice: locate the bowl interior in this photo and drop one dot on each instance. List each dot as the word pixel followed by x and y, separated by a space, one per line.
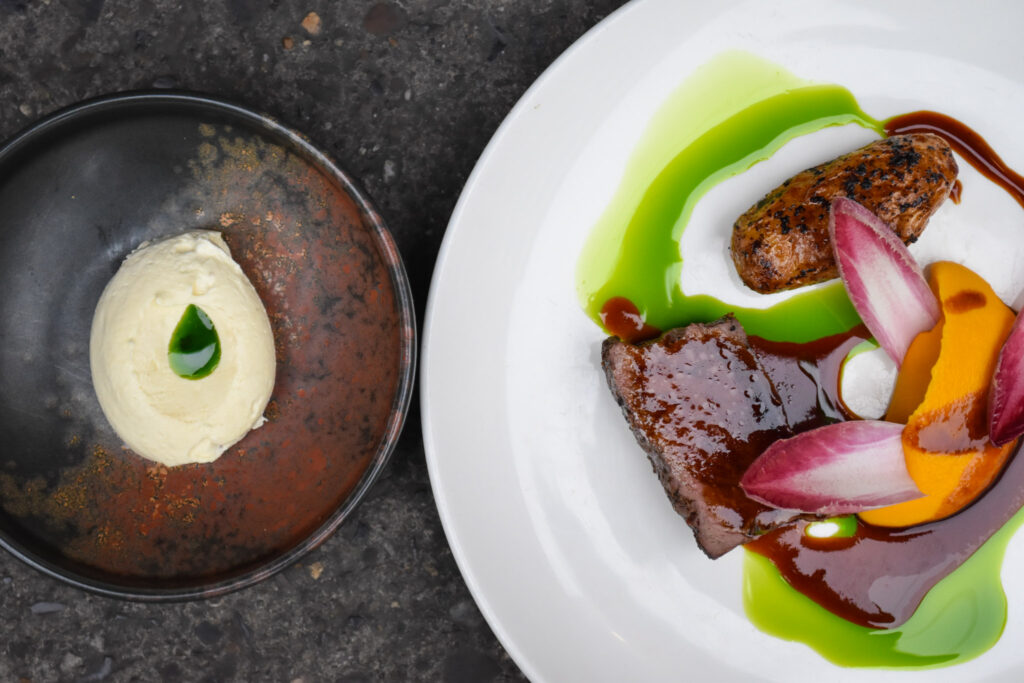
pixel 81 190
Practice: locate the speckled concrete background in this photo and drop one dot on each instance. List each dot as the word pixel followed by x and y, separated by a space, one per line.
pixel 405 95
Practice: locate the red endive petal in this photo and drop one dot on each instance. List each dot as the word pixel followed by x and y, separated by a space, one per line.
pixel 884 282
pixel 838 469
pixel 1006 395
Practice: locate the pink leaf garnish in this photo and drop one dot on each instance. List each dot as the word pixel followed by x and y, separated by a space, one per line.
pixel 884 282
pixel 1006 394
pixel 837 469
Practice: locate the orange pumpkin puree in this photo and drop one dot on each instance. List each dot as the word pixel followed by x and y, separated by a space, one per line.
pixel 941 394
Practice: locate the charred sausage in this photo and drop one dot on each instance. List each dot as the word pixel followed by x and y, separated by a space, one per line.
pixel 782 241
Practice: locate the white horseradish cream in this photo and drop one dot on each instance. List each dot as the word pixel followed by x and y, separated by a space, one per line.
pixel 159 414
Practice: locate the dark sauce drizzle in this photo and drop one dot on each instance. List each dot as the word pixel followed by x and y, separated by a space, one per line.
pixel 622 318
pixel 881 575
pixel 966 142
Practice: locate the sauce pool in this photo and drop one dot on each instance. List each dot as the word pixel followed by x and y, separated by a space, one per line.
pixel 895 568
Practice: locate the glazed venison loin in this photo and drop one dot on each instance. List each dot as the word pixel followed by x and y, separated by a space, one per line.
pixel 703 408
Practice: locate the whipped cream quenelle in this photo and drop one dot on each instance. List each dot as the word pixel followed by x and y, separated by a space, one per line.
pixel 160 414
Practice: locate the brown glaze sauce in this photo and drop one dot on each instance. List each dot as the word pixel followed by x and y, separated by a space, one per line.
pixel 956 428
pixel 967 143
pixel 956 192
pixel 806 376
pixel 964 300
pixel 622 319
pixel 881 575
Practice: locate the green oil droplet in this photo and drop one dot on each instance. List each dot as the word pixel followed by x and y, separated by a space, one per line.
pixel 194 350
pixel 633 251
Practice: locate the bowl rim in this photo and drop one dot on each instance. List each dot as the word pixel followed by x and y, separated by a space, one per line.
pixel 407 332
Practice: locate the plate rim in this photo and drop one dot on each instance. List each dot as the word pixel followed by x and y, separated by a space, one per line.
pixel 474 573
pixel 430 449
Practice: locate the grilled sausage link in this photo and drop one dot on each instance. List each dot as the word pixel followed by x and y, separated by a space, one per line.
pixel 782 241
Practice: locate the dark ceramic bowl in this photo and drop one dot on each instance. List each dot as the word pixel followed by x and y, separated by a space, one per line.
pixel 78 192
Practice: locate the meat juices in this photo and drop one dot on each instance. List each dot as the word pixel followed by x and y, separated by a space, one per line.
pixel 782 241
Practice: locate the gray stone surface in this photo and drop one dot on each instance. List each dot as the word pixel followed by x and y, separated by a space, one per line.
pixel 405 95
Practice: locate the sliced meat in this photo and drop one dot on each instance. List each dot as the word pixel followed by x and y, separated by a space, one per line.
pixel 703 409
pixel 782 241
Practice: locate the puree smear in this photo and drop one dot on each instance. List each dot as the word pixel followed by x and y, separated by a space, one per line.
pixel 946 442
pixel 177 387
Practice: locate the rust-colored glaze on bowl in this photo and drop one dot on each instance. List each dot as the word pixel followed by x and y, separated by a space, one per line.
pixel 104 518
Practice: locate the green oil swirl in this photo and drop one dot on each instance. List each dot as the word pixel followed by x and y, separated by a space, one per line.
pixel 634 252
pixel 194 350
pixel 735 111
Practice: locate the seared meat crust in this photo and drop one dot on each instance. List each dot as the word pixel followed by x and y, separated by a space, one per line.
pixel 782 241
pixel 703 408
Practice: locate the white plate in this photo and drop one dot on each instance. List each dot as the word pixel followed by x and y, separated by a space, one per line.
pixel 561 530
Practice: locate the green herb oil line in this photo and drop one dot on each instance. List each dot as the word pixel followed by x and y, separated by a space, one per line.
pixel 194 350
pixel 647 264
